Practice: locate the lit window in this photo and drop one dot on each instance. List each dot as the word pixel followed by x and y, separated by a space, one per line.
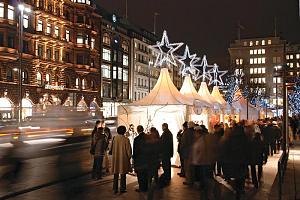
pixel 77 83
pixel 68 35
pixel 251 52
pixel 259 70
pixel 125 75
pixel 114 72
pixel 237 61
pixel 255 60
pixel 291 65
pixel 259 60
pixel 274 90
pixel 255 51
pixel 25 21
pixel 291 73
pixel 251 44
pixel 251 70
pixel 125 60
pixel 241 61
pixel 259 80
pixel 79 38
pixel 245 43
pixel 291 56
pixel 263 80
pixel 251 60
pixel 105 70
pixel 87 39
pixel 2 10
pixel 56 31
pixel 263 51
pixel 83 83
pixel 269 41
pixel 259 51
pixel 39 78
pixel 10 12
pixel 106 54
pixel 48 29
pixel 287 57
pixel 257 42
pixel 251 80
pixel 255 80
pixel 92 43
pixel 298 65
pixel 106 39
pixel 297 56
pixel 39 25
pixel 263 60
pixel 263 42
pixel 255 71
pixel 263 70
pixel 48 79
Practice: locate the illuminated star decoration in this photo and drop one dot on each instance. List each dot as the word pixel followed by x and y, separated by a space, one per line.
pixel 165 57
pixel 205 74
pixel 187 62
pixel 217 75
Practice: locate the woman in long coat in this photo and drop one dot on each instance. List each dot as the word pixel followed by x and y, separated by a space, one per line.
pixel 121 154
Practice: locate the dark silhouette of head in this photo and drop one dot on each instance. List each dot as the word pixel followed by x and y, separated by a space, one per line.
pixel 121 130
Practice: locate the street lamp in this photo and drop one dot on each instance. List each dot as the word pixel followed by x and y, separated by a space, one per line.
pixel 22 8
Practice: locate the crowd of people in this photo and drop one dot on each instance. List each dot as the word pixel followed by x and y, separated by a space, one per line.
pixel 234 152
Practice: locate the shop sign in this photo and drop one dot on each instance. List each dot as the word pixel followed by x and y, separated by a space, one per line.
pixel 54 87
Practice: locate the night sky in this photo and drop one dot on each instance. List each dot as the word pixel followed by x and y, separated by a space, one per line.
pixel 208 26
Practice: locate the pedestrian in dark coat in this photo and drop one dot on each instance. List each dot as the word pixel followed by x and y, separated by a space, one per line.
pixel 140 159
pixel 235 156
pixel 256 158
pixel 179 138
pixel 167 152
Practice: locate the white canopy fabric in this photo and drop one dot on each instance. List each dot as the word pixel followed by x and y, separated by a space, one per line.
pixel 164 93
pixel 205 94
pixel 190 92
pixel 241 106
pixel 217 96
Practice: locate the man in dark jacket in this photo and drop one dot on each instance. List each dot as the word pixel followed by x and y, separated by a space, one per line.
pixel 140 159
pixel 256 158
pixel 179 138
pixel 166 154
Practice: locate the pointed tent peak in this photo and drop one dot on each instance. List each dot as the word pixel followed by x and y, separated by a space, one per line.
pixel 204 93
pixel 164 93
pixel 217 95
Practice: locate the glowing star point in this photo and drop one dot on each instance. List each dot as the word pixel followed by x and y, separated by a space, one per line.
pixel 165 57
pixel 187 62
pixel 217 75
pixel 205 75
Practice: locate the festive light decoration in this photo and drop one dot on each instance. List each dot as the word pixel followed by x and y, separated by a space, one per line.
pixel 188 63
pixel 167 57
pixel 294 97
pixel 232 89
pixel 205 75
pixel 239 76
pixel 216 79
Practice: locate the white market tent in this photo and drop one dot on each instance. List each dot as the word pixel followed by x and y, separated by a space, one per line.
pixel 219 98
pixel 241 108
pixel 199 112
pixel 164 104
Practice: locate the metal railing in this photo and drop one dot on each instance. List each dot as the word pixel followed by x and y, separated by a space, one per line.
pixel 282 163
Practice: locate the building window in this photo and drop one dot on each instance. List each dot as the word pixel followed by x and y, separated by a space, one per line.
pixel 251 52
pixel 87 39
pixel 291 65
pixel 2 10
pixel 25 21
pixel 39 78
pixel 245 43
pixel 255 51
pixel 256 42
pixel 25 77
pixel 77 81
pixel 48 29
pixel 263 80
pixel 259 60
pixel 263 51
pixel 251 70
pixel 274 90
pixel 255 60
pixel 269 42
pixel 263 70
pixel 80 19
pixel 40 51
pixel 125 75
pixel 39 25
pixel 79 38
pixel 48 79
pixel 105 70
pixel 297 56
pixel 106 54
pixel 79 59
pixel 10 12
pixel 125 47
pixel 106 89
pixel 251 43
pixel 259 51
pixel 11 41
pixel 68 35
pixel 56 55
pixel 106 39
pixel 120 73
pixel 25 46
pixel 83 84
pixel 125 60
pixel 263 42
pixel 67 57
pixel 114 72
pixel 56 31
pixel 291 56
pixel 92 43
pixel 49 53
pixel 93 85
pixel 9 75
pixel 68 84
pixel 263 60
pixel 1 39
